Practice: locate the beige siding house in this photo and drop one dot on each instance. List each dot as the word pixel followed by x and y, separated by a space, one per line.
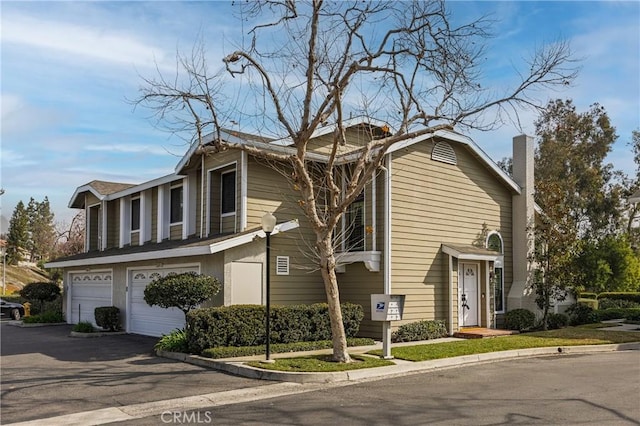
pixel 440 224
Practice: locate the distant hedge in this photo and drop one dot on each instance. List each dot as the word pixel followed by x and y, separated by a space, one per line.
pixel 244 325
pixel 632 296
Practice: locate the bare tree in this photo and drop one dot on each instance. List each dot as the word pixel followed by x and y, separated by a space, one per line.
pixel 70 240
pixel 303 64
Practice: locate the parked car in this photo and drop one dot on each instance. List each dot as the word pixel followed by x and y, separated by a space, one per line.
pixel 11 310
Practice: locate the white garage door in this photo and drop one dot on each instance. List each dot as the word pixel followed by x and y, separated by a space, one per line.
pixel 152 320
pixel 89 290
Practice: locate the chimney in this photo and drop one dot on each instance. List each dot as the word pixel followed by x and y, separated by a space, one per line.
pixel 520 294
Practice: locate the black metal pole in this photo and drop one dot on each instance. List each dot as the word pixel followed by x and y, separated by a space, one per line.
pixel 268 325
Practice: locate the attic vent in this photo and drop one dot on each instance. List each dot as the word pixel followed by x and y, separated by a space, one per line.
pixel 443 152
pixel 282 265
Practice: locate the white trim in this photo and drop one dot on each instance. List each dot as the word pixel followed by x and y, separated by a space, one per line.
pixel 374 225
pixel 103 225
pixel 186 201
pixel 244 173
pixel 371 259
pixel 451 296
pixel 145 185
pixel 478 293
pixel 84 188
pixel 122 237
pixel 160 225
pixel 386 325
pixel 468 256
pixel 208 193
pixel 487 297
pixel 176 252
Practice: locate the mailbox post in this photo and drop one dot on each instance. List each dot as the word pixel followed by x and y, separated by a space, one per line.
pixel 387 308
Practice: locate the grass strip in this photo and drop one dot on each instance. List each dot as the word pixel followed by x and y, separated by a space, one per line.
pixel 571 336
pixel 321 364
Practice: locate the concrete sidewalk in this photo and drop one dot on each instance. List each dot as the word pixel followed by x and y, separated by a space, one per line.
pixel 296 383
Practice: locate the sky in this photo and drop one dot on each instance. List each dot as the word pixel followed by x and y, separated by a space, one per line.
pixel 69 68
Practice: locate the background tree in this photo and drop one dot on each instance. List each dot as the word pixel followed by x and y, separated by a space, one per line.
pixel 42 233
pixel 40 292
pixel 183 291
pixel 70 240
pixel 631 186
pixel 18 237
pixel 609 265
pixel 305 64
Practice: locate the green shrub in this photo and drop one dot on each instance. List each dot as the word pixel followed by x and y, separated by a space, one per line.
pixel 40 292
pixel 581 314
pixel 519 319
pixel 585 295
pixel 183 291
pixel 237 351
pixel 176 341
pixel 617 303
pixel 83 327
pixel 51 317
pixel 617 313
pixel 244 325
pixel 555 321
pixel 420 330
pixel 592 303
pixel 632 296
pixel 108 317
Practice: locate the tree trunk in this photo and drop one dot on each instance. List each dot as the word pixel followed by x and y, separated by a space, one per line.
pixel 328 269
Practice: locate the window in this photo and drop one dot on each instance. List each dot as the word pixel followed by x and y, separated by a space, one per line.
pixel 135 214
pixel 228 192
pixel 494 242
pixel 176 204
pixel 355 225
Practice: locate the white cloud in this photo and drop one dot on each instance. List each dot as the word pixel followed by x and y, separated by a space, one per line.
pixel 130 149
pixel 79 41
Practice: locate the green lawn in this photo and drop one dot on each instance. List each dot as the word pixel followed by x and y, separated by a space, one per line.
pixel 571 336
pixel 321 364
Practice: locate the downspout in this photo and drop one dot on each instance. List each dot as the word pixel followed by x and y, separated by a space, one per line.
pixel 450 295
pixel 374 224
pixel 202 185
pixel 386 325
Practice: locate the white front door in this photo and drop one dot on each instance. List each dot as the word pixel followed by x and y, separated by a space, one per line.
pixel 468 295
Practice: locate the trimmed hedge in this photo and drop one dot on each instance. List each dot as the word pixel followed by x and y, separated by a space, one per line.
pixel 592 303
pixel 581 314
pixel 555 321
pixel 633 296
pixel 233 351
pixel 618 313
pixel 519 319
pixel 617 303
pixel 107 317
pixel 244 325
pixel 585 295
pixel 420 330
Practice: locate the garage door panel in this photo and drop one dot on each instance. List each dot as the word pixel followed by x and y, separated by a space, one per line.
pixel 152 320
pixel 89 291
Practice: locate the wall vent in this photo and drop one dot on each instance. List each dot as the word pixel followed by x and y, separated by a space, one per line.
pixel 282 265
pixel 443 152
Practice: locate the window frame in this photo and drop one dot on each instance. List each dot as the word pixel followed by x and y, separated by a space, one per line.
pixel 498 265
pixel 135 201
pixel 224 174
pixel 179 208
pixel 350 216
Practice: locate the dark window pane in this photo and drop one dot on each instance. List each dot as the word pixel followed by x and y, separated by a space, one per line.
pixel 229 192
pixel 355 225
pixel 494 243
pixel 498 290
pixel 135 214
pixel 176 204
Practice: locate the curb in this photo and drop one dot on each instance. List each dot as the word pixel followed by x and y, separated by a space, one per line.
pixel 81 334
pixel 37 324
pixel 239 368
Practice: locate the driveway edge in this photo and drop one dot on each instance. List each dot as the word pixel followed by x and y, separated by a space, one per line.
pixel 239 368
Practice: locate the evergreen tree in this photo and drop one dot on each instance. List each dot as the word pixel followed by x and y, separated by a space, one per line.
pixel 18 238
pixel 43 233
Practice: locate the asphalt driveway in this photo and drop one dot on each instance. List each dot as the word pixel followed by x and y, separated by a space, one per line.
pixel 45 373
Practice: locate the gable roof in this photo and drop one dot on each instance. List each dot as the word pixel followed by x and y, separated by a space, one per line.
pixel 283 146
pixel 99 188
pixel 168 249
